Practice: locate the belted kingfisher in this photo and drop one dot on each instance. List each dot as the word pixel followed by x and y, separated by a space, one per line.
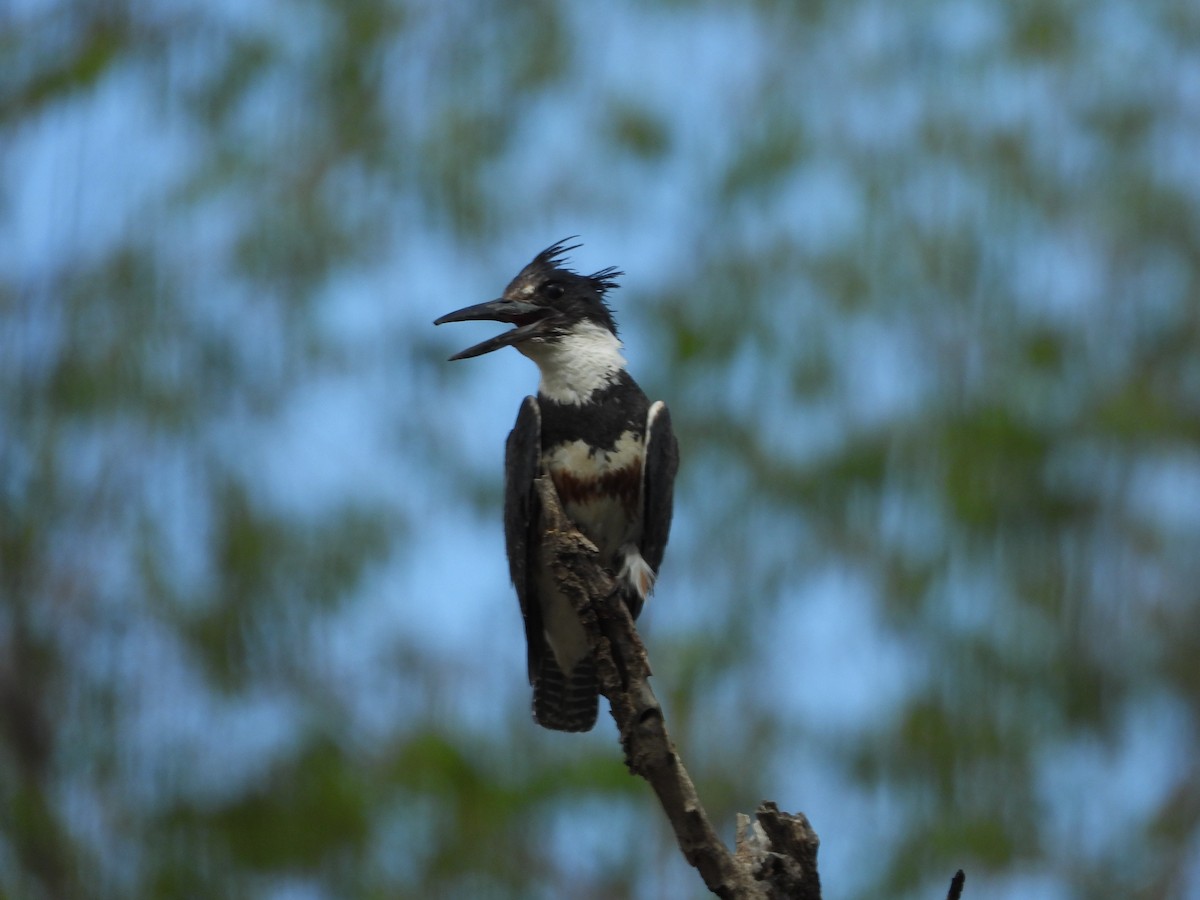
pixel 610 453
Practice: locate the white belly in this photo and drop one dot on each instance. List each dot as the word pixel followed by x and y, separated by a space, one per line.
pixel 601 495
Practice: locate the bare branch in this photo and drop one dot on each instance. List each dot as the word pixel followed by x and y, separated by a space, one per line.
pixel 778 858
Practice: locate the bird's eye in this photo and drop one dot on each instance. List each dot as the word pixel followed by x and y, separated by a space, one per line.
pixel 552 289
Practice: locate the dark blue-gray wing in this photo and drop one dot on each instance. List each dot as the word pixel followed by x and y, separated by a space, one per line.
pixel 522 460
pixel 562 701
pixel 658 484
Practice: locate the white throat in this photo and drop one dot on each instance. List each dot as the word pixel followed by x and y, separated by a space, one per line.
pixel 577 364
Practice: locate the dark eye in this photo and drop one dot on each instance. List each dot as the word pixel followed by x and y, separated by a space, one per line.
pixel 552 289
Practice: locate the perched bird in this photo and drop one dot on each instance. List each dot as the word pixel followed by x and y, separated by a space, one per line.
pixel 610 453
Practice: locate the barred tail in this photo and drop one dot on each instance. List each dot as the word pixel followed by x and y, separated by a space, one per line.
pixel 565 702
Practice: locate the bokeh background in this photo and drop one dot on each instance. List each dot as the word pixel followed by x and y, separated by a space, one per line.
pixel 921 283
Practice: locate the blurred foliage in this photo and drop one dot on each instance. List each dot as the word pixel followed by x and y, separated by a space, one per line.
pixel 932 324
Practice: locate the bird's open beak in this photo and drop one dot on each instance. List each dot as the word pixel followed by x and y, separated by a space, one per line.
pixel 529 319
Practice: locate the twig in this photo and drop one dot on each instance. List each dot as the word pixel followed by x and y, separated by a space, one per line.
pixel 956 885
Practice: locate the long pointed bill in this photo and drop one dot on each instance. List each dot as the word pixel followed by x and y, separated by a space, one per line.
pixel 528 318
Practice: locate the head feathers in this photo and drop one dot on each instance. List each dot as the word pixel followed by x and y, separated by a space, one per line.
pixel 555 256
pixel 606 279
pixel 582 294
pixel 554 259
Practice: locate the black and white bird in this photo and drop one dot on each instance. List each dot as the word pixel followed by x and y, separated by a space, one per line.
pixel 610 453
